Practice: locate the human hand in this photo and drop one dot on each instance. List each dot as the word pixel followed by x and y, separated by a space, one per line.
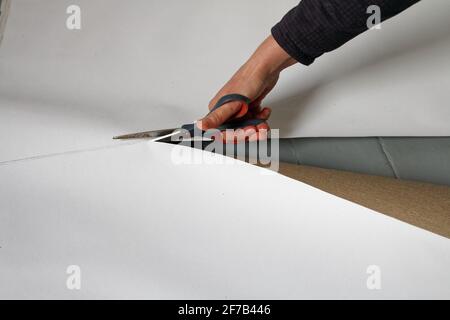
pixel 255 79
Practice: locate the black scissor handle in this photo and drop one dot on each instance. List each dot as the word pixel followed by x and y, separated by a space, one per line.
pixel 234 124
pixel 231 98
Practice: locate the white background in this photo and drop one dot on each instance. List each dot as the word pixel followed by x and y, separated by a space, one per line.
pixel 139 65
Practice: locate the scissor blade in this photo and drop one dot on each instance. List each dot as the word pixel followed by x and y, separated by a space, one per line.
pixel 147 134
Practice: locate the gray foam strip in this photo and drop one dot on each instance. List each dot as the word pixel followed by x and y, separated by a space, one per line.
pixel 421 158
pixel 414 158
pixel 351 154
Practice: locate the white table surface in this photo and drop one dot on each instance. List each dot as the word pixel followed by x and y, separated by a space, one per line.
pixel 140 226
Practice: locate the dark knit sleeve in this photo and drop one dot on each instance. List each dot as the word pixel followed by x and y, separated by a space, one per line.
pixel 318 26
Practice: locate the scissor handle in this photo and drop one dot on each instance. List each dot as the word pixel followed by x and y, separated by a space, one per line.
pixel 234 124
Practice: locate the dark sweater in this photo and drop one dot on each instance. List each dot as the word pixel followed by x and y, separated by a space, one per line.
pixel 318 26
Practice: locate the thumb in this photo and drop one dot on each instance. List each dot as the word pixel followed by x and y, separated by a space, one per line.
pixel 220 115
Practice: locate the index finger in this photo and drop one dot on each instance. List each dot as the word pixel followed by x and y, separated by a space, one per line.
pixel 220 115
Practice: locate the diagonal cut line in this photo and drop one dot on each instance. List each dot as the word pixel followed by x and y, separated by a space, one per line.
pixel 57 154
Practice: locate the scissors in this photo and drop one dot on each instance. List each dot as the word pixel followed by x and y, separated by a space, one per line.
pixel 191 131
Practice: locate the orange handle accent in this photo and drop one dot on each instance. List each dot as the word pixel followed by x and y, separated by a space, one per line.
pixel 243 111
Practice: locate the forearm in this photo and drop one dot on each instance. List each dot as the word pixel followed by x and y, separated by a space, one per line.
pixel 315 27
pixel 268 60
